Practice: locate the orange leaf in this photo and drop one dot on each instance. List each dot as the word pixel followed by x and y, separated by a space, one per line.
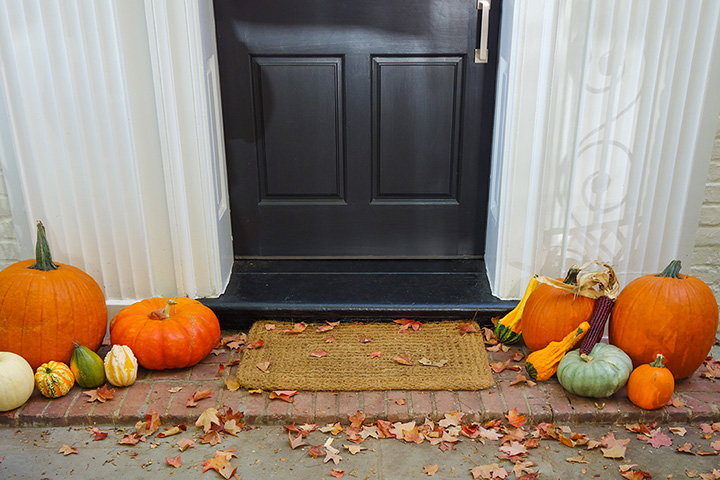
pixel 101 394
pixel 403 359
pixel 406 324
pixel 175 462
pixel 337 473
pixel 430 470
pixel 375 355
pixel 357 420
pixel 467 328
pixel 319 353
pixel 259 343
pixel 263 366
pixel 285 395
pixel 67 450
pixel 297 328
pixel 365 339
pixel 197 396
pixel 515 419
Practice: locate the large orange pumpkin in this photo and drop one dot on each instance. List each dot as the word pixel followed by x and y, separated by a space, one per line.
pixel 550 313
pixel 47 306
pixel 668 313
pixel 166 332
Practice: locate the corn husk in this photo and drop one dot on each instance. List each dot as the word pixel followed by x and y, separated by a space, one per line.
pixel 596 284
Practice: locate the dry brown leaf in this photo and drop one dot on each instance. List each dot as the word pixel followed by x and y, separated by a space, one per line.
pixel 285 395
pixel 403 359
pixel 197 396
pixel 263 366
pixel 67 450
pixel 430 470
pixel 430 363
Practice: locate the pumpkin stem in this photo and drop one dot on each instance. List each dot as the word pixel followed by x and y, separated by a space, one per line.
pixel 658 362
pixel 672 270
pixel 43 258
pixel 571 277
pixel 586 357
pixel 164 313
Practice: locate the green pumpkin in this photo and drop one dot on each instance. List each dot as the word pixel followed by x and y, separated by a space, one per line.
pixel 507 335
pixel 87 367
pixel 600 374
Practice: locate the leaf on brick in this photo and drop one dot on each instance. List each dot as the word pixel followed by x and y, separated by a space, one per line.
pixel 522 379
pixel 197 396
pixel 285 395
pixel 515 419
pixel 100 394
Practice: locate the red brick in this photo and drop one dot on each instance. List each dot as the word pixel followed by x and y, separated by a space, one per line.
pixel 32 411
pixel 702 405
pixel 159 400
pixel 235 400
pixel 514 397
pixel 374 406
pixel 171 374
pixel 278 412
pixel 178 411
pixel 79 412
pixel 105 413
pixel 538 405
pixel 255 405
pixel 204 371
pixel 325 408
pixel 56 411
pixel 301 410
pixel 225 356
pixel 10 418
pixel 695 383
pixel 348 405
pixel 627 411
pixel 561 408
pixel 395 412
pixel 422 405
pixel 444 403
pixel 584 409
pixel 132 409
pixel 493 405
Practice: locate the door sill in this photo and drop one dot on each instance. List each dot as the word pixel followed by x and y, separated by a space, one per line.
pixel 345 288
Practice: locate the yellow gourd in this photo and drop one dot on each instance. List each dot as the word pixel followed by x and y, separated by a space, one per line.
pixel 542 364
pixel 507 329
pixel 121 366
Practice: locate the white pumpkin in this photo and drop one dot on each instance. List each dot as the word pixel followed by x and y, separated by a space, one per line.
pixel 17 381
pixel 121 366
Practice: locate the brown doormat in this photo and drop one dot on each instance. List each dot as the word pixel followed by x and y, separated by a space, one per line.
pixel 349 365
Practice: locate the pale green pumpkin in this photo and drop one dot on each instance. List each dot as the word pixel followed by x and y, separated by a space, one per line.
pixel 600 374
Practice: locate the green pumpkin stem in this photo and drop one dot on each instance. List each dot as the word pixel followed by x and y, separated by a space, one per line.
pixel 672 270
pixel 658 362
pixel 571 277
pixel 43 258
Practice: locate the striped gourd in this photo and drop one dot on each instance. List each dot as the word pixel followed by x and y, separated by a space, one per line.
pixel 54 379
pixel 87 367
pixel 121 366
pixel 507 329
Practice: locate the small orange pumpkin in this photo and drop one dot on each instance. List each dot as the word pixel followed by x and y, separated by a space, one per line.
pixel 550 313
pixel 166 332
pixel 651 385
pixel 668 313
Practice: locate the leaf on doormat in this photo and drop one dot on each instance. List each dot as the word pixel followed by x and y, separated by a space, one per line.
pixel 406 324
pixel 329 339
pixel 270 326
pixel 375 355
pixel 259 343
pixel 197 396
pixel 430 363
pixel 365 339
pixel 263 366
pixel 328 326
pixel 403 359
pixel 467 328
pixel 285 395
pixel 296 328
pixel 319 354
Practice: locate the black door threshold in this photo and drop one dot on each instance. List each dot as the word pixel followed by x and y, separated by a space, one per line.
pixel 323 289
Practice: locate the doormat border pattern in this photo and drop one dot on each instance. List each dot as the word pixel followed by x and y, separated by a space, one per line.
pixel 349 366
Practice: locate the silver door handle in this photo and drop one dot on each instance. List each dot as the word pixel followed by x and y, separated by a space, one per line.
pixel 481 54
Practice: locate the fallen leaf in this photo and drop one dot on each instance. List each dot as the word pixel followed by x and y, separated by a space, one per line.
pixel 98 434
pixel 197 396
pixel 467 328
pixel 403 359
pixel 332 428
pixel 400 401
pixel 515 419
pixel 67 450
pixel 328 326
pixel 679 431
pixel 406 324
pixel 170 431
pixel 430 363
pixel 617 451
pixel 221 464
pixel 285 395
pixel 452 419
pixel 514 449
pixel 676 402
pixel 131 439
pixel 365 339
pixel 632 474
pixel 430 470
pixel 375 355
pixel 296 442
pixel 686 448
pixel 100 394
pixel 221 369
pixel 319 354
pixel 523 379
pixel 316 451
pixel 185 443
pixel 337 473
pixel 175 389
pixel 270 326
pixel 212 437
pixel 207 419
pixel 255 391
pixel 296 328
pixel 357 420
pixel 233 427
pixel 149 426
pixel 353 449
pixel 263 366
pixel 175 462
pixel 484 471
pixel 259 343
pixel 329 339
pixel 579 459
pixel 659 439
pixel 517 357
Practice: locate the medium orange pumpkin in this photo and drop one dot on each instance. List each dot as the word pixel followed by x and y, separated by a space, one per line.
pixel 651 385
pixel 166 332
pixel 550 313
pixel 47 306
pixel 668 313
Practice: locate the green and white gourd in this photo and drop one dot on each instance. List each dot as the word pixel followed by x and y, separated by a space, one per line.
pixel 600 374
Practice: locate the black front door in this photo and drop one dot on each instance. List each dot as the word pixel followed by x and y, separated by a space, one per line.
pixel 356 128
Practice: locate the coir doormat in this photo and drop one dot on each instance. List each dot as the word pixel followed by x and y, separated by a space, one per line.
pixel 355 357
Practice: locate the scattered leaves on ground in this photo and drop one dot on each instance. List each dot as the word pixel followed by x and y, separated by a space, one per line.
pixel 285 395
pixel 100 394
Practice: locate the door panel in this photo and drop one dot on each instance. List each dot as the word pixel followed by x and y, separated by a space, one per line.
pixel 356 128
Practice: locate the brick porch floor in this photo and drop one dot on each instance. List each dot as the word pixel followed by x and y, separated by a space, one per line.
pixel 545 402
